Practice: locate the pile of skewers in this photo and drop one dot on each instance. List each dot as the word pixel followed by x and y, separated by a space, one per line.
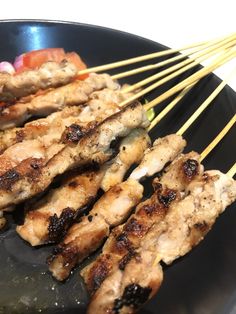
pixel 90 133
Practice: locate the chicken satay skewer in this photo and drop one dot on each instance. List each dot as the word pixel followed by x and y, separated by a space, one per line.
pixel 23 229
pixel 54 100
pixel 71 240
pixel 142 168
pixel 38 189
pixel 113 292
pixel 109 211
pixel 24 182
pixel 44 138
pixel 45 222
pixel 212 145
pixel 76 233
pixel 73 94
pixel 36 235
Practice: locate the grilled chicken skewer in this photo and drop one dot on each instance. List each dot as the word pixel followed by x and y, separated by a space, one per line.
pixel 33 176
pixel 75 93
pixel 110 210
pixel 50 74
pixel 123 241
pixel 184 226
pixel 45 137
pixel 40 224
pixel 100 105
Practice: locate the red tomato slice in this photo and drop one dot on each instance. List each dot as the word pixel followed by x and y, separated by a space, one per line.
pixel 34 59
pixel 73 57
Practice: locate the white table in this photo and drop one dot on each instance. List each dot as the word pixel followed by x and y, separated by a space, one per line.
pixel 172 23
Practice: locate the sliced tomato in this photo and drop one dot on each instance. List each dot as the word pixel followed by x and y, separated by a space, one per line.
pixel 73 57
pixel 36 58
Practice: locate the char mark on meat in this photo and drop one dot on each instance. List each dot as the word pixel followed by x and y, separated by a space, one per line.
pixel 59 225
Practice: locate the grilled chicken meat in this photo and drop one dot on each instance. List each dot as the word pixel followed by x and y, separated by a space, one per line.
pixel 62 262
pixel 50 217
pixel 45 137
pixel 131 151
pixel 33 176
pixel 82 188
pixel 85 237
pixel 163 150
pixel 52 127
pixel 72 94
pixel 121 244
pixel 185 225
pixel 97 108
pixel 195 215
pixel 50 74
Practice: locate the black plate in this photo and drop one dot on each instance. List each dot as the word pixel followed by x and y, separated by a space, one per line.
pixel 204 281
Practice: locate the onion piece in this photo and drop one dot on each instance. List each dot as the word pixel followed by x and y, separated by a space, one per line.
pixel 7 67
pixel 18 63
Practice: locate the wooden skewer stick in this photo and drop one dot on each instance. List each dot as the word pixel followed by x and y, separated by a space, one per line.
pixel 232 171
pixel 196 76
pixel 171 105
pixel 219 137
pixel 205 104
pixel 193 78
pixel 171 60
pixel 160 64
pixel 182 67
pixel 117 64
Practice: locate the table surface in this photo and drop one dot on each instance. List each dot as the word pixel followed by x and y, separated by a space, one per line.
pixel 172 23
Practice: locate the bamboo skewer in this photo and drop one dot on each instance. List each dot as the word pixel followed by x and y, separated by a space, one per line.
pixel 205 104
pixel 152 66
pixel 117 64
pixel 183 66
pixel 193 78
pixel 171 105
pixel 232 171
pixel 149 56
pixel 195 53
pixel 219 137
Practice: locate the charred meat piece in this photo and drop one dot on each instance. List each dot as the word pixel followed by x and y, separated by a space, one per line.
pixel 195 215
pixel 163 150
pixel 121 245
pixel 86 236
pixel 185 225
pixel 75 93
pixel 131 152
pixel 74 193
pixel 79 233
pixel 32 176
pixel 46 137
pixel 95 110
pixel 52 127
pixel 182 171
pixel 80 188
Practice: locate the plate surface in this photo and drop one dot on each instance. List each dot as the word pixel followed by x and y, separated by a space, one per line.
pixel 203 282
